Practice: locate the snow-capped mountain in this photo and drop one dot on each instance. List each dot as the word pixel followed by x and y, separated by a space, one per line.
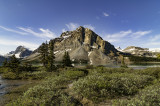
pixel 154 50
pixel 138 51
pixel 20 52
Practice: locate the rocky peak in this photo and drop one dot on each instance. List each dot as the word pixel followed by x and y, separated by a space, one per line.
pixel 20 52
pixel 83 45
pixel 20 49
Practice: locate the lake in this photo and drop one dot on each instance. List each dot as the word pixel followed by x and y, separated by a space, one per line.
pixel 7 86
pixel 131 65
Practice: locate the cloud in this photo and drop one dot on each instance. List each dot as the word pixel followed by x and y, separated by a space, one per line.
pixel 118 35
pixel 63 30
pixel 45 33
pixel 105 14
pixel 72 26
pixel 11 30
pixel 123 35
pixel 90 27
pixel 155 38
pixel 7 42
pixel 139 34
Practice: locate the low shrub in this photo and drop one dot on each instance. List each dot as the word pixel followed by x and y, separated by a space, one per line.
pixel 98 86
pixel 147 97
pixel 50 92
pixel 155 72
pixel 10 75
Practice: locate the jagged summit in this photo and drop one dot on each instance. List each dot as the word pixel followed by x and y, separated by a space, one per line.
pixel 83 45
pixel 119 48
pixel 20 52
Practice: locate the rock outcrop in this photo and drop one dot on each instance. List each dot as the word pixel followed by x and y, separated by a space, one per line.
pixel 83 45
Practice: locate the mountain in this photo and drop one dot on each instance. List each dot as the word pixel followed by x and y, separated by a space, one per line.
pixel 83 45
pixel 20 52
pixel 155 50
pixel 138 51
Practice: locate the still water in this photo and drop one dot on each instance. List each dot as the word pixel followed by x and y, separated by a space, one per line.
pixel 130 65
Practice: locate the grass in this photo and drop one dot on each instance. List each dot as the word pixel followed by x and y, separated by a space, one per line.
pixel 50 91
pixel 39 74
pixel 121 86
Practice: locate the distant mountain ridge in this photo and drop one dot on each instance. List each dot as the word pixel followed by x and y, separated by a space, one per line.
pixel 20 52
pixel 138 51
pixel 83 45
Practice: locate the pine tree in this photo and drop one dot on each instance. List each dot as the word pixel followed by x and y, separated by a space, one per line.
pixel 47 55
pixel 66 60
pixel 51 56
pixel 14 64
pixel 44 53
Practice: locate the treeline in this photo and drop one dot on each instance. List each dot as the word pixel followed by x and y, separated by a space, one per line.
pixel 14 65
pixel 48 57
pixel 143 59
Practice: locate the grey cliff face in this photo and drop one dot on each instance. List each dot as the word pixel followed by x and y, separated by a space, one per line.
pixel 83 45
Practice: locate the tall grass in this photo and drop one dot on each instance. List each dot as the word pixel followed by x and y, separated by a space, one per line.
pixel 50 92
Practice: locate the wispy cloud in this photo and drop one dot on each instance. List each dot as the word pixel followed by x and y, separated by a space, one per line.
pixel 72 26
pixel 8 42
pixel 105 14
pixel 90 27
pixel 12 30
pixel 119 34
pixel 122 35
pixel 155 38
pixel 43 34
pixel 153 41
pixel 139 34
pixel 64 30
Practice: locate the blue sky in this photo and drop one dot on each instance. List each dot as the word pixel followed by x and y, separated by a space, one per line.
pixel 121 22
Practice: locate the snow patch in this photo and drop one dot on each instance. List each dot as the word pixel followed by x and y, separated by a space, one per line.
pixel 68 49
pixel 56 52
pixel 66 36
pixel 91 62
pixel 89 53
pixel 17 55
pixel 154 49
pixel 93 46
